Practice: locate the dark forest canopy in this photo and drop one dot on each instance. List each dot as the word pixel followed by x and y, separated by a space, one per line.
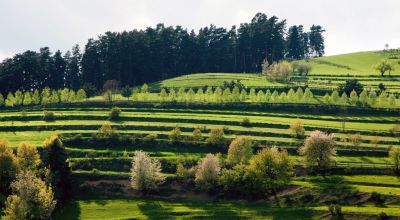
pixel 153 54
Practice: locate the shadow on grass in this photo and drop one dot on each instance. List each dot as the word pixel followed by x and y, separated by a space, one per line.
pixel 223 210
pixel 70 211
pixel 332 184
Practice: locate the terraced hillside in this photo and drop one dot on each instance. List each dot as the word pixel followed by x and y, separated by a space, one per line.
pixel 101 161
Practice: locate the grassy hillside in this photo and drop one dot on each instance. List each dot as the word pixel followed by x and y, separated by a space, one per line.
pixel 359 63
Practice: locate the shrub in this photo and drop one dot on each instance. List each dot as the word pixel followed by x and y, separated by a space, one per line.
pixel 114 114
pixel 216 137
pixel 145 172
pixel 49 116
pixel 297 128
pixel 150 138
pixel 240 151
pixel 245 122
pixel 106 130
pixel 207 173
pixel 269 169
pixel 197 135
pixel 319 150
pixel 175 135
pixel 394 155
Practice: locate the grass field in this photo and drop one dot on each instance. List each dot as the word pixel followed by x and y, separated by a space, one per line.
pixel 111 162
pixel 353 64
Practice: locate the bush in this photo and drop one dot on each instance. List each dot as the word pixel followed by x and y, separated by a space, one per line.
pixel 106 130
pixel 150 138
pixel 207 173
pixel 175 135
pixel 114 114
pixel 297 128
pixel 245 122
pixel 216 137
pixel 49 116
pixel 197 135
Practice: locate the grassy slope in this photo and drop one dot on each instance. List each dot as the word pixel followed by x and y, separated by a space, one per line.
pixel 359 63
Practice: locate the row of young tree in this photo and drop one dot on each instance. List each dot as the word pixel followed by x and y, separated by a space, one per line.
pixel 46 96
pixel 220 95
pixel 140 56
pixel 32 182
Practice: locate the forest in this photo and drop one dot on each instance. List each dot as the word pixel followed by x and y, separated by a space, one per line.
pixel 143 56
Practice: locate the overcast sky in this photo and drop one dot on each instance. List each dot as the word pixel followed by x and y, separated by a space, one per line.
pixel 351 25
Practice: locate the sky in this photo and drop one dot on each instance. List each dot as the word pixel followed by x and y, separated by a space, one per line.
pixel 351 25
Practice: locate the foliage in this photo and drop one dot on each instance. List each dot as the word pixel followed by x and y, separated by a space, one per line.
pixel 106 130
pixel 297 128
pixel 280 72
pixel 49 116
pixel 28 156
pixel 270 168
pixel 8 166
pixel 197 136
pixel 245 122
pixel 383 66
pixel 32 198
pixel 114 114
pixel 55 159
pixel 145 172
pixel 126 92
pixel 240 150
pixel 351 85
pixel 394 155
pixel 319 150
pixel 207 173
pixel 175 135
pixel 216 137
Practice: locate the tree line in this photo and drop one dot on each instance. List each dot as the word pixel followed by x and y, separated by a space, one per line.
pixel 139 56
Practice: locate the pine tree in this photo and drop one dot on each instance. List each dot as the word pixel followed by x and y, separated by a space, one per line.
pixel 275 97
pixel 334 97
pixel 252 95
pixel 308 96
pixel 299 95
pixel 291 95
pixel 209 94
pixel 190 95
pixel 243 95
pixel 227 95
pixel 218 95
pixel 267 96
pixel 236 94
pixel 353 97
pixel 283 97
pixel 2 101
pixel 10 99
pixel 344 100
pixel 372 98
pixel 172 95
pixel 163 95
pixel 181 94
pixel 46 99
pixel 364 98
pixel 81 95
pixel 260 96
pixel 200 95
pixel 19 98
pixel 27 98
pixel 36 97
